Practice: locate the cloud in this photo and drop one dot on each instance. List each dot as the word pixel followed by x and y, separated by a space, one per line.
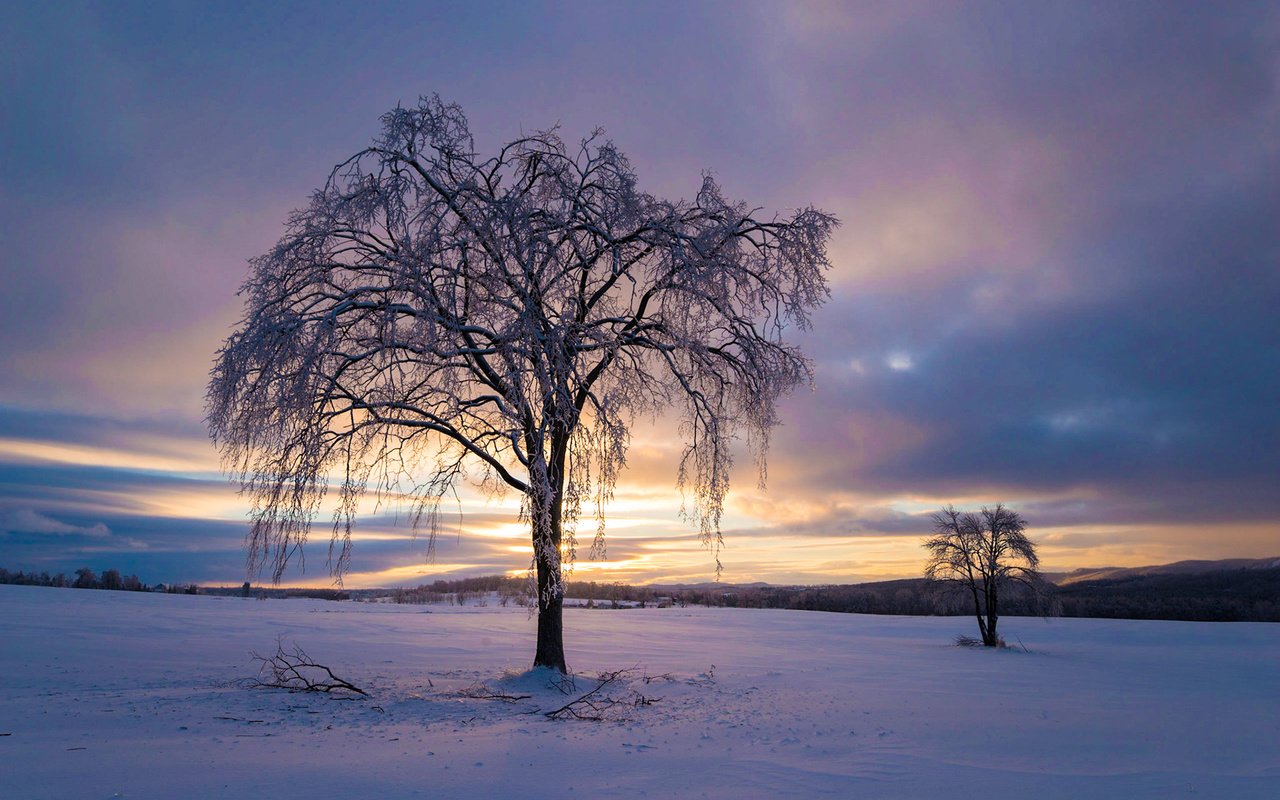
pixel 1054 285
pixel 25 520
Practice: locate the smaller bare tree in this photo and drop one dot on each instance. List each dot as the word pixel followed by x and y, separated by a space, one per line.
pixel 984 553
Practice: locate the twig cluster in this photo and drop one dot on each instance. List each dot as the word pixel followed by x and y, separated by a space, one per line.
pixel 598 705
pixel 298 672
pixel 608 700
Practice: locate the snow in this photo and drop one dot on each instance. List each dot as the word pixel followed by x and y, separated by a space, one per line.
pixel 118 694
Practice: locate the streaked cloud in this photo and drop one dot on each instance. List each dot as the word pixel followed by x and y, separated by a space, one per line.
pixel 1055 284
pixel 25 520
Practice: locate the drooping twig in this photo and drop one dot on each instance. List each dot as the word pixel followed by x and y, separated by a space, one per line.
pixel 296 671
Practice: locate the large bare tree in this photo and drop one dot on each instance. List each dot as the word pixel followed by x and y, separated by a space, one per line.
pixel 433 316
pixel 984 553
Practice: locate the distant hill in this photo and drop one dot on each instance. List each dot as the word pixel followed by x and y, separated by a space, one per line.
pixel 1228 590
pixel 710 585
pixel 1225 590
pixel 1176 568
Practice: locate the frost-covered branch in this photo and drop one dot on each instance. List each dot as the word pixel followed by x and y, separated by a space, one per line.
pixel 503 320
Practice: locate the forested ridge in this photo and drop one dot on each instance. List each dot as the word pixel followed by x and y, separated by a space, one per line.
pixel 1221 595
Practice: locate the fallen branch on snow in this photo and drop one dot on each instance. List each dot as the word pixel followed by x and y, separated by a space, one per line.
pixel 597 706
pixel 482 692
pixel 297 672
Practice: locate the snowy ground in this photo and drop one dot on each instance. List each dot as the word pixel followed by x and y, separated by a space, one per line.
pixel 115 694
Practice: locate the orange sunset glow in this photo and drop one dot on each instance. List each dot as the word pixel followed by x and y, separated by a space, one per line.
pixel 1053 284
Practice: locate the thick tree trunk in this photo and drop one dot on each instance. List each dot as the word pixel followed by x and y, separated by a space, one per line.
pixel 977 612
pixel 993 615
pixel 982 630
pixel 547 519
pixel 550 648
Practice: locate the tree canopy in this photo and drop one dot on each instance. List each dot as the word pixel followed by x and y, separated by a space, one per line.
pixel 434 316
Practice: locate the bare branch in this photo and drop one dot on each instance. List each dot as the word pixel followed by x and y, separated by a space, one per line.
pixel 483 692
pixel 599 706
pixel 296 671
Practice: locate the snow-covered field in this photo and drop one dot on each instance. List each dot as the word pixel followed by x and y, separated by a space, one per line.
pixel 115 694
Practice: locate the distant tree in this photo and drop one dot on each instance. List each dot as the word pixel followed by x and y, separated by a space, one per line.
pixel 111 580
pixel 502 319
pixel 85 579
pixel 984 553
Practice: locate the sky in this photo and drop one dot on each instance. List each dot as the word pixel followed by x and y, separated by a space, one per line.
pixel 1055 285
